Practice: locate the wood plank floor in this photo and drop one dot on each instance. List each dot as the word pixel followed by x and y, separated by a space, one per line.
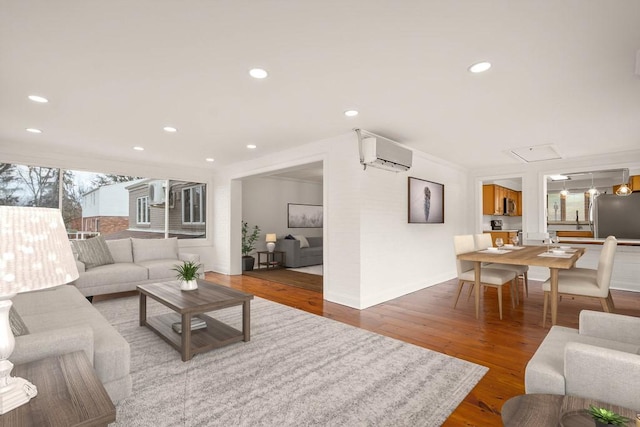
pixel 425 318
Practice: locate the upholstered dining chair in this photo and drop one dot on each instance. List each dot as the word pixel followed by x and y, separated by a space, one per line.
pixel 493 277
pixel 585 281
pixel 483 241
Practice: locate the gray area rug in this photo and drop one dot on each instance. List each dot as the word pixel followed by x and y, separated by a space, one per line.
pixel 299 369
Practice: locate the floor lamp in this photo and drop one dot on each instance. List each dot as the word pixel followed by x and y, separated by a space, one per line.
pixel 34 254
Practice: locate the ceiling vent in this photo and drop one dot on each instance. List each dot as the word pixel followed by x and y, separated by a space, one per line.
pixel 538 153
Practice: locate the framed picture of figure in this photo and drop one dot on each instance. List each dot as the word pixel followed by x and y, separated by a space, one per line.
pixel 426 202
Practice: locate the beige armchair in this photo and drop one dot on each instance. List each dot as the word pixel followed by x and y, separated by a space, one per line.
pixel 492 277
pixel 586 282
pixel 598 361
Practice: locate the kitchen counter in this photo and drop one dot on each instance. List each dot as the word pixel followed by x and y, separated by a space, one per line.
pixel 592 241
pixel 504 229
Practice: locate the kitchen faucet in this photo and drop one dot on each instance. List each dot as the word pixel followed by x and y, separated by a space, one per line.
pixel 578 226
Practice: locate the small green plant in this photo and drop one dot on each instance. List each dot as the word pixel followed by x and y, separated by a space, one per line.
pixel 606 416
pixel 187 271
pixel 249 238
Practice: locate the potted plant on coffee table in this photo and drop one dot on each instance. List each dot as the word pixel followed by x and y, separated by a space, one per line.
pixel 605 417
pixel 249 238
pixel 187 274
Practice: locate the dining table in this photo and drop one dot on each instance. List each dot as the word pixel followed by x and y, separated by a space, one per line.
pixel 555 259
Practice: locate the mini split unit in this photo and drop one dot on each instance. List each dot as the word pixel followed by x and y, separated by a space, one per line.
pixel 379 152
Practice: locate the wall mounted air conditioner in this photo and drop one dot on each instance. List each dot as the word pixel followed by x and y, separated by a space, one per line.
pixel 156 193
pixel 385 154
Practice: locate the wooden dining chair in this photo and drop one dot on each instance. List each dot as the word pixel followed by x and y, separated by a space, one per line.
pixel 585 281
pixel 492 277
pixel 483 241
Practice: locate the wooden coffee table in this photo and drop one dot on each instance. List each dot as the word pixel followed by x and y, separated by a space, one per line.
pixel 69 394
pixel 208 297
pixel 534 410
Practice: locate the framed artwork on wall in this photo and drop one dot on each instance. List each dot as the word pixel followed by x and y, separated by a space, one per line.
pixel 304 216
pixel 426 202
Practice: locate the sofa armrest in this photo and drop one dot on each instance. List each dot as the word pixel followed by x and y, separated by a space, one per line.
pixel 615 327
pixel 184 256
pixel 81 267
pixel 55 342
pixel 291 248
pixel 603 374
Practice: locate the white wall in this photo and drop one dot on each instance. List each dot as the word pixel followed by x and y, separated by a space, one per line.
pixel 371 252
pixel 265 200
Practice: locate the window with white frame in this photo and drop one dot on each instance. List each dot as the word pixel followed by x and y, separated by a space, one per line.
pixel 143 210
pixel 193 202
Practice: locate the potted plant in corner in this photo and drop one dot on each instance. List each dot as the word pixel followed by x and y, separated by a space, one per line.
pixel 605 417
pixel 187 274
pixel 249 238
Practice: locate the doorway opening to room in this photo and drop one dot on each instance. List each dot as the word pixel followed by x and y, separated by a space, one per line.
pixel 287 207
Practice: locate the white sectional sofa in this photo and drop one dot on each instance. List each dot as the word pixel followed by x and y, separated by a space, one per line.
pixel 60 320
pixel 110 266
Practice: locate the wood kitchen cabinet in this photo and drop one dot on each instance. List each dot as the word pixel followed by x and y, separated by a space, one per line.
pixel 493 199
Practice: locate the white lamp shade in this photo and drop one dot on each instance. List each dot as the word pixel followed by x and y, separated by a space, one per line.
pixel 35 252
pixel 271 237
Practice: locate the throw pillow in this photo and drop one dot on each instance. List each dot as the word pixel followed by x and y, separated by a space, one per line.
pixel 93 252
pixel 304 243
pixel 289 237
pixel 17 324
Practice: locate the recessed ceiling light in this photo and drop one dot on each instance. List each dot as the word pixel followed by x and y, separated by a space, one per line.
pixel 170 129
pixel 480 67
pixel 40 99
pixel 351 113
pixel 33 130
pixel 138 148
pixel 209 159
pixel 258 73
pixel 252 146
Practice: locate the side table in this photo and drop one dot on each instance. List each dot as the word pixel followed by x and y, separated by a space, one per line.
pixel 69 394
pixel 536 410
pixel 271 259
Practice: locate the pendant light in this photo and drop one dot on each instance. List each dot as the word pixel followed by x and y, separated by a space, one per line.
pixel 593 191
pixel 564 192
pixel 624 189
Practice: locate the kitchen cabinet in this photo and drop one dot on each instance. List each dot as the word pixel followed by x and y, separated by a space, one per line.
pixel 506 236
pixel 493 199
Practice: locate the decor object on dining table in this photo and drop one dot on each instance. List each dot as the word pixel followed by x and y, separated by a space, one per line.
pixel 35 254
pixel 426 201
pixel 304 216
pixel 606 417
pixel 187 274
pixel 271 241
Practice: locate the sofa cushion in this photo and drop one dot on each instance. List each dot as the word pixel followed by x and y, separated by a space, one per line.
pixel 93 252
pixel 153 249
pixel 304 243
pixel 161 269
pixel 17 325
pixel 121 272
pixel 120 250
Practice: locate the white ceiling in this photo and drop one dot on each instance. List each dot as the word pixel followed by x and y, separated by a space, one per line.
pixel 116 72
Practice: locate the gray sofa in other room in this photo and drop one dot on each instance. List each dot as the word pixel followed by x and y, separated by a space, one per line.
pixel 60 320
pixel 598 361
pixel 126 264
pixel 297 256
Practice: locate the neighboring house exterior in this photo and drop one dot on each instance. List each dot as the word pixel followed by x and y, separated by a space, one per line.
pixel 105 210
pixel 187 207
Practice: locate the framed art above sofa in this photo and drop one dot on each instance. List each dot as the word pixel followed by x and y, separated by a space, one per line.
pixel 304 216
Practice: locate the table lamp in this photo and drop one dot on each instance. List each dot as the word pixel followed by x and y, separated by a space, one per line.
pixel 271 241
pixel 34 254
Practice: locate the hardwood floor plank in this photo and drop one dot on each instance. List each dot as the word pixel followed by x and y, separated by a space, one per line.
pixel 426 318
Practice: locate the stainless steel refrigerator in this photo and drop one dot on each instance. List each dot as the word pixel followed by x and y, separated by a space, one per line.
pixel 617 216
